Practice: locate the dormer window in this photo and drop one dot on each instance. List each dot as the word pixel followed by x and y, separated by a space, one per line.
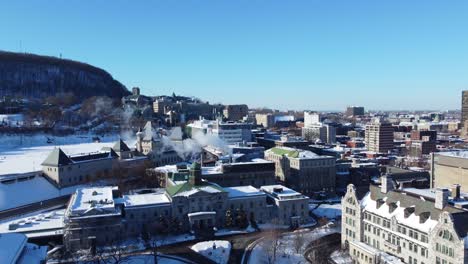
pixel 423 217
pixel 409 211
pixel 380 202
pixel 392 207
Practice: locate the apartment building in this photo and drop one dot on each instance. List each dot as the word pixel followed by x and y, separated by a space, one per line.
pixel 379 136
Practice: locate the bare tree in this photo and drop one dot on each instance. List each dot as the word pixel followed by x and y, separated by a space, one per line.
pixel 298 241
pixel 271 245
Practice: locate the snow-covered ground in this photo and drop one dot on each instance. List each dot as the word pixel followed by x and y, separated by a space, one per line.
pixel 13 120
pixel 330 211
pixel 217 250
pixel 23 153
pixel 341 257
pixel 30 191
pixel 287 250
pixel 35 224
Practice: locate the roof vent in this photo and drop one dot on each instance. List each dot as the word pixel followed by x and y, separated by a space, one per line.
pixel 278 189
pixel 95 193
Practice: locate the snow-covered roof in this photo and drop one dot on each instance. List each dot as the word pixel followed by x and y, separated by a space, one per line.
pixel 201 213
pixel 146 199
pixel 11 247
pixel 33 254
pixel 457 154
pixel 295 153
pixel 281 192
pixel 239 192
pixel 34 224
pixel 86 199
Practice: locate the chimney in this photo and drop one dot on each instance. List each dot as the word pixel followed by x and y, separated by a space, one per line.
pixel 456 191
pixel 441 199
pixel 386 183
pixel 195 174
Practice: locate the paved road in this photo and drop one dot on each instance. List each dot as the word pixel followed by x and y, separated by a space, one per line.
pixel 319 250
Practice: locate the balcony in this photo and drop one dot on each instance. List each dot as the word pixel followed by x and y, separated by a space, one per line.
pixel 394 248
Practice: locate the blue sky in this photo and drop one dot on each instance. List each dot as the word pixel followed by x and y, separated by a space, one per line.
pixel 312 54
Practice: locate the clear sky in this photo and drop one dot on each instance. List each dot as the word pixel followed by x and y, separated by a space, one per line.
pixel 312 54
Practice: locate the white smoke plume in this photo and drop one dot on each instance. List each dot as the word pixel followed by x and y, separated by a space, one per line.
pixel 191 148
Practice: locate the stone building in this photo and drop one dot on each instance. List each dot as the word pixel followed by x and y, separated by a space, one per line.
pixel 150 143
pixel 408 226
pixel 99 216
pixel 303 170
pixel 448 168
pixel 256 173
pixel 66 170
pixel 235 112
pixel 266 120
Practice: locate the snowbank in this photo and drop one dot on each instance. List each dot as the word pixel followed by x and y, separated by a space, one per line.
pixel 330 211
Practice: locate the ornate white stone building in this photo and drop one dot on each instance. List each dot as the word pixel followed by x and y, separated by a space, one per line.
pixel 417 226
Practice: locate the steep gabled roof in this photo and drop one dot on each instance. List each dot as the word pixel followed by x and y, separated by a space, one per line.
pixel 460 221
pixel 57 158
pixel 120 146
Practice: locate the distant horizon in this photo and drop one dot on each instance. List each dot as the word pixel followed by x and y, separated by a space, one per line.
pixel 300 55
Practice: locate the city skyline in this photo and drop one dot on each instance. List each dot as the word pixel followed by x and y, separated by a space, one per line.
pixel 302 55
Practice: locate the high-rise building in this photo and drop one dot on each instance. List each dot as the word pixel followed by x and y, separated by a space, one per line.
pixel 464 108
pixel 379 136
pixel 229 132
pixel 322 132
pixel 311 118
pixel 355 111
pixel 266 120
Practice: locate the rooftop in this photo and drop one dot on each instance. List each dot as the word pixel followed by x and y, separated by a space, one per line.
pixel 281 192
pixel 411 207
pixel 146 199
pixel 86 199
pixel 243 192
pixel 187 189
pixel 295 153
pixel 463 154
pixel 11 246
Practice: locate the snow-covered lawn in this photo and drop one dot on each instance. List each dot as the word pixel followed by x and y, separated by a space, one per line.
pixel 20 154
pixel 217 250
pixel 291 246
pixel 327 210
pixel 30 191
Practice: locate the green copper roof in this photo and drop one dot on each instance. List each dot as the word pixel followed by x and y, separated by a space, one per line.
pixel 287 152
pixel 176 189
